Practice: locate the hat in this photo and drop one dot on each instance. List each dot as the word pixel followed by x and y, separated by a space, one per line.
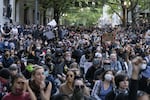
pixel 29 68
pixel 13 67
pixel 4 73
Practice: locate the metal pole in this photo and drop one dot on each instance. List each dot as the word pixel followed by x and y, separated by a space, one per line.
pixel 36 12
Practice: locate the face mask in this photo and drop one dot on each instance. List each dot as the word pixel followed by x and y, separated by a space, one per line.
pixel 96 62
pixel 108 77
pixel 78 92
pixel 6 55
pixel 143 66
pixel 6 43
pixel 68 58
pixel 38 48
pixel 48 59
pixel 45 43
pixel 46 73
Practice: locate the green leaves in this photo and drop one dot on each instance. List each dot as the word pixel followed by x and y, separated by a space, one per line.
pixel 82 16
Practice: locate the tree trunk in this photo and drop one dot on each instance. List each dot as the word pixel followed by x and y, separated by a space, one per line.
pixel 44 18
pixel 124 13
pixel 124 16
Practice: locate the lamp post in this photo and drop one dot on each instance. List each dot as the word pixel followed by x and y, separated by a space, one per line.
pixel 124 8
pixel 125 15
pixel 126 5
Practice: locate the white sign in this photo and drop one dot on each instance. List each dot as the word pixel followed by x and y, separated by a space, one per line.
pixel 52 23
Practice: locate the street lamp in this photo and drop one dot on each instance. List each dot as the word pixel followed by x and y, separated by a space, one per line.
pixel 126 5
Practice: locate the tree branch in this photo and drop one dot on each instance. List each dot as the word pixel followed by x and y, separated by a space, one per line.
pixel 115 12
pixel 112 3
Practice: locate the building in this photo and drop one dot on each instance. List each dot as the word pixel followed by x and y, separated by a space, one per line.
pixel 21 12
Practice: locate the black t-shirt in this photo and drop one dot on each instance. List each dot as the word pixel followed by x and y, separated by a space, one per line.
pixel 36 89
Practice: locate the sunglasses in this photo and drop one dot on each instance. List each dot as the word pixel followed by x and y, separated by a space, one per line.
pixel 79 86
pixel 69 75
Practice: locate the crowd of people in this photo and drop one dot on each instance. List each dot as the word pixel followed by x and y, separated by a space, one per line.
pixel 74 63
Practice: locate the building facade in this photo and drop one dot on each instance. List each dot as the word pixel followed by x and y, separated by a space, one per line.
pixel 21 12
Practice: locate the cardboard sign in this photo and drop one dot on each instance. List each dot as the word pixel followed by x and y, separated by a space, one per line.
pixel 108 37
pixel 86 36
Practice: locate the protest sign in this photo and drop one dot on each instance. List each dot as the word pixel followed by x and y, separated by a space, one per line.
pixel 108 37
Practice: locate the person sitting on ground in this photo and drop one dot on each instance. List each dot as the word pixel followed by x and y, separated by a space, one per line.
pixel 4 81
pixel 80 91
pixel 13 70
pixel 115 65
pixel 67 87
pixel 104 86
pixel 41 87
pixel 19 87
pixel 123 90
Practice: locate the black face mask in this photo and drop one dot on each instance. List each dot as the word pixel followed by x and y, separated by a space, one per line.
pixel 58 55
pixel 79 92
pixel 48 59
pixel 1 67
pixel 6 55
pixel 58 60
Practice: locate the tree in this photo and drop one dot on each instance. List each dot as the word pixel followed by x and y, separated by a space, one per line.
pixel 62 6
pixel 82 16
pixel 44 5
pixel 133 5
pixel 144 6
pixel 59 6
pixel 124 6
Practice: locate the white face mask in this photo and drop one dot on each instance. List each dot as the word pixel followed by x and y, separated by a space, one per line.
pixel 108 77
pixel 45 43
pixel 6 43
pixel 46 73
pixel 143 66
pixel 68 58
pixel 38 48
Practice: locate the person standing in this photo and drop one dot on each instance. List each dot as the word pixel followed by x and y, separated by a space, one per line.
pixel 104 86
